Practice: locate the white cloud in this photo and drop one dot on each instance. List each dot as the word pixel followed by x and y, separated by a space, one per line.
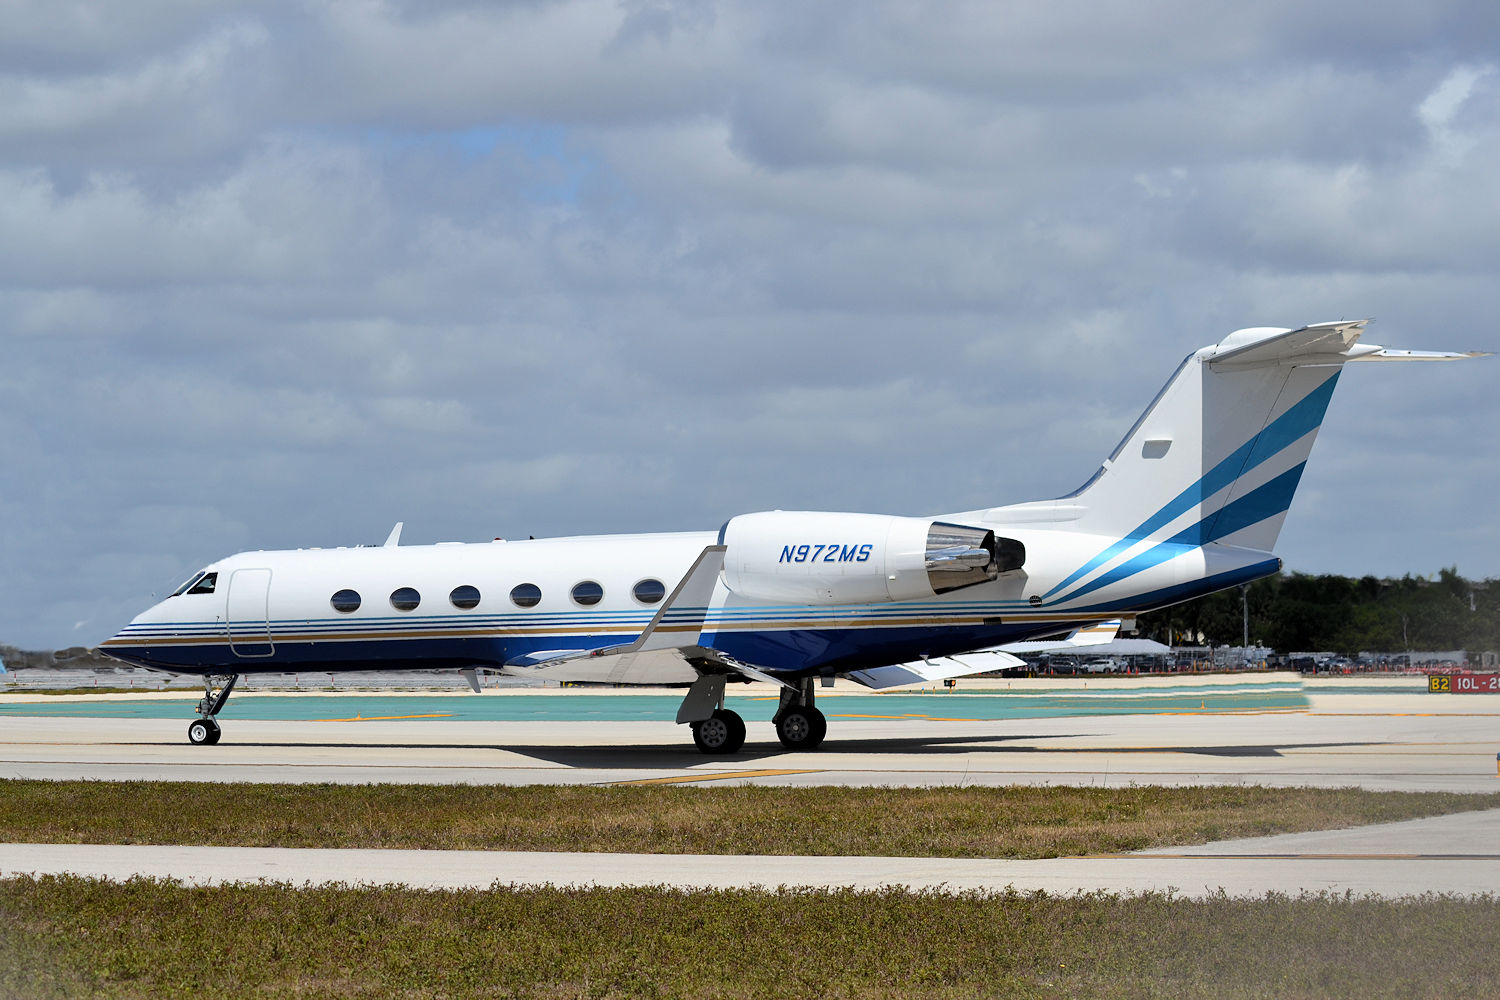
pixel 185 101
pixel 282 274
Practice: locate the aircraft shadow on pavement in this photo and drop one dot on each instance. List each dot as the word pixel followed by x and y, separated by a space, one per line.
pixel 674 756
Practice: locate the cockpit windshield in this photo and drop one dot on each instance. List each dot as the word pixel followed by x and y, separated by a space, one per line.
pixel 198 583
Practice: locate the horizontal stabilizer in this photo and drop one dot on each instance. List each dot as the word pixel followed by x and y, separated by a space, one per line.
pixel 1319 344
pixel 1264 346
pixel 1390 354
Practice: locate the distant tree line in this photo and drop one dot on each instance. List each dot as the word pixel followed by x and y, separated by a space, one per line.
pixel 1295 612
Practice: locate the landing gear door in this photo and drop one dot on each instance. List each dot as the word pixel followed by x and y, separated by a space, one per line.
pixel 247 618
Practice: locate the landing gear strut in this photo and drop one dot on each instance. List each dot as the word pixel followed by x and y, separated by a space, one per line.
pixel 799 724
pixel 204 730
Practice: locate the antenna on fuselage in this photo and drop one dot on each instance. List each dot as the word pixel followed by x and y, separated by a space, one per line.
pixel 394 538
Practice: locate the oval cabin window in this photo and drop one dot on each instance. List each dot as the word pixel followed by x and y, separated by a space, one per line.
pixel 588 593
pixel 649 591
pixel 526 595
pixel 345 601
pixel 405 599
pixel 465 597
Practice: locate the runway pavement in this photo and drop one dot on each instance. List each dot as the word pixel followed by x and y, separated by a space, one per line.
pixel 1383 741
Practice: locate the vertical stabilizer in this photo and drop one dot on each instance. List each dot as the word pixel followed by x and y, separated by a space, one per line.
pixel 1218 454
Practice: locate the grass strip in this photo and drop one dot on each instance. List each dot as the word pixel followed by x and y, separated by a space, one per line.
pixel 1007 822
pixel 73 937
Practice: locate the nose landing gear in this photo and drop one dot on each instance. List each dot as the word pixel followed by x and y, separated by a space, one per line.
pixel 204 730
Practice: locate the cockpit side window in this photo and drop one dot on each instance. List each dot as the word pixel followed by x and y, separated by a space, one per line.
pixel 188 583
pixel 199 583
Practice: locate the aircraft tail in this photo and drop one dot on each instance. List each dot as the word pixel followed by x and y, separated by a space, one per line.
pixel 1218 454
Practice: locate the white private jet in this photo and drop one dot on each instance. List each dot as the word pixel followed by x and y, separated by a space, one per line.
pixel 1190 502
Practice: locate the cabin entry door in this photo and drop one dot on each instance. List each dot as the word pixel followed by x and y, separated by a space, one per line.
pixel 247 617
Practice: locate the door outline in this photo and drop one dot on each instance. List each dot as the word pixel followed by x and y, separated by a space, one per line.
pixel 247 618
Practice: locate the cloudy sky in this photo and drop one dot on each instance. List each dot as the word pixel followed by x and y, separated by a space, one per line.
pixel 281 274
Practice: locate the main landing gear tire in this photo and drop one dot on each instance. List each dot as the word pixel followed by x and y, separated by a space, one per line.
pixel 203 732
pixel 720 733
pixel 801 728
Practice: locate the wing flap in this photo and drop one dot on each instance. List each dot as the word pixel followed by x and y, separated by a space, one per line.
pixel 982 661
pixel 653 666
pixel 939 669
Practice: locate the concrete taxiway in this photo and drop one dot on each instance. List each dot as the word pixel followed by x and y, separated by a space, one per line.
pixel 1365 737
pixel 1445 855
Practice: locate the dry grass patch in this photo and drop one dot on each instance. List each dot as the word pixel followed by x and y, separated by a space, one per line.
pixel 71 937
pixel 1014 822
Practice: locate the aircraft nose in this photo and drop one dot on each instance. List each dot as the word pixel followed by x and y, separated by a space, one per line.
pixel 130 643
pixel 118 647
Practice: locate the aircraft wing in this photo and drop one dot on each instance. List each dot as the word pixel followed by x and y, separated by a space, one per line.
pixel 1089 635
pixel 939 668
pixel 666 652
pixel 981 661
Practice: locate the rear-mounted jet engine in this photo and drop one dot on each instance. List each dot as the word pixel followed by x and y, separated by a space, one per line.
pixel 803 557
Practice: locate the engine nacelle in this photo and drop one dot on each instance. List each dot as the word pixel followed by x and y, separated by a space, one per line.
pixel 812 557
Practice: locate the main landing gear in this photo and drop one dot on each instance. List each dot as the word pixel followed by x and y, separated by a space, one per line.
pixel 799 724
pixel 717 730
pixel 722 732
pixel 204 730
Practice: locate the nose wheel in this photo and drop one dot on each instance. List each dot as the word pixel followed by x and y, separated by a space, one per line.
pixel 203 732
